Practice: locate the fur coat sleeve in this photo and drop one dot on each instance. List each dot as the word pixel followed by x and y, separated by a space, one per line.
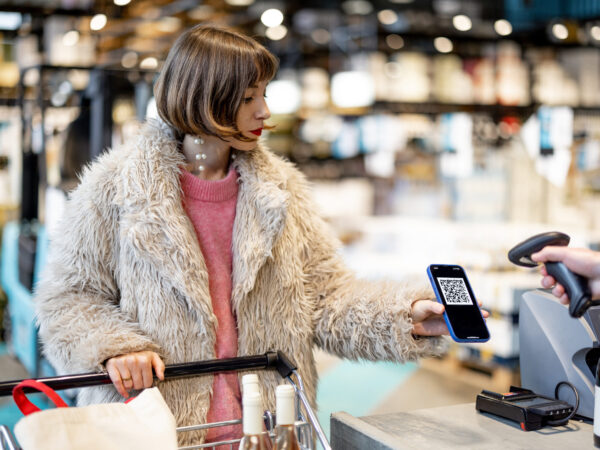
pixel 354 318
pixel 77 299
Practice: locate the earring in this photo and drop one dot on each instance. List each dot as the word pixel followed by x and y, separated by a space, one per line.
pixel 199 156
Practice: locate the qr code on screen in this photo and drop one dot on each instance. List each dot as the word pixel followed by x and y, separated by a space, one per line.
pixel 455 291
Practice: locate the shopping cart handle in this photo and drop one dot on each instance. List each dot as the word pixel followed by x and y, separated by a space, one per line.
pixel 274 360
pixel 284 366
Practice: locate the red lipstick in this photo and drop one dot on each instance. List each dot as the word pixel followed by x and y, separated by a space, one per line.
pixel 257 132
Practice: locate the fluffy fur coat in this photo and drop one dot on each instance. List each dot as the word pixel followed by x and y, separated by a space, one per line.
pixel 125 274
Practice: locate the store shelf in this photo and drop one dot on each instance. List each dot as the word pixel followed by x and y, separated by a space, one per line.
pixel 434 108
pixel 440 108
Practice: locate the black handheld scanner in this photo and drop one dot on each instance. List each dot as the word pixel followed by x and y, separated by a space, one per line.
pixel 577 287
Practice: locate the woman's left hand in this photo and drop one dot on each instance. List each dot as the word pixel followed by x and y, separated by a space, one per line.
pixel 428 319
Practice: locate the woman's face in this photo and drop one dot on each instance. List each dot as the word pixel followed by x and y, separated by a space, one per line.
pixel 251 116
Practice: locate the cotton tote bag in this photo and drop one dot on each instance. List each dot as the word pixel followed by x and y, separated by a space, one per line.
pixel 145 422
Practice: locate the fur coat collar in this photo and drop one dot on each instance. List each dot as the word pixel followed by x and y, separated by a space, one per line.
pixel 152 192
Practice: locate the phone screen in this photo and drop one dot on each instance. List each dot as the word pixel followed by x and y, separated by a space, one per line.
pixel 462 312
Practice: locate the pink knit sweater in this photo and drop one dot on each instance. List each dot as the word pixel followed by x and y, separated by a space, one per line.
pixel 210 206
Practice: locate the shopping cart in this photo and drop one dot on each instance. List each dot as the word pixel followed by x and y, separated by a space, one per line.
pixel 307 424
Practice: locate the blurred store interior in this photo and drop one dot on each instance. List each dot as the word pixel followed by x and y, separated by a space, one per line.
pixel 432 131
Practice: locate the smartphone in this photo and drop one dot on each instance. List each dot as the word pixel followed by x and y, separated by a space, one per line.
pixel 462 314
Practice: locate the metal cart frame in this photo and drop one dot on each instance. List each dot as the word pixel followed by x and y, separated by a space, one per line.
pixel 270 360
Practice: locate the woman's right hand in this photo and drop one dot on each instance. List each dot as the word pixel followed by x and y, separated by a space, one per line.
pixel 134 371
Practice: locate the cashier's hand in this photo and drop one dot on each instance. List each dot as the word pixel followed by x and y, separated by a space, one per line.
pixel 582 261
pixel 134 371
pixel 428 319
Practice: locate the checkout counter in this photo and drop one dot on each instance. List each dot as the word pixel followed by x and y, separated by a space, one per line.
pixel 554 347
pixel 451 427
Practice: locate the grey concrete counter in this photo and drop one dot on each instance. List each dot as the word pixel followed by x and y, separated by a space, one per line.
pixel 451 427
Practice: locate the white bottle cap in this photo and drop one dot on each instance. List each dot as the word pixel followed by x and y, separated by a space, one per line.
pixel 250 384
pixel 252 413
pixel 285 395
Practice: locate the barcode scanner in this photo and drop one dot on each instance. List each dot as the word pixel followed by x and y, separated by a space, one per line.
pixel 575 285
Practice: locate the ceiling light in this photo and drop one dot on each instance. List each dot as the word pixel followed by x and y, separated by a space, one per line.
pixel 462 22
pixel 129 60
pixel 560 31
pixel 70 38
pixel 352 89
pixel 239 2
pixel 98 22
pixel 272 17
pixel 394 41
pixel 595 32
pixel 503 27
pixel 276 33
pixel 443 44
pixel 10 20
pixel 283 96
pixel 321 36
pixel 149 63
pixel 360 7
pixel 121 2
pixel 387 17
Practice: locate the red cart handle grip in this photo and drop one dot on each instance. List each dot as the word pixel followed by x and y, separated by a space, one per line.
pixel 25 404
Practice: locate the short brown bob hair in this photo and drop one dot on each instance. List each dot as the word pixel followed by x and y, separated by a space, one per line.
pixel 202 83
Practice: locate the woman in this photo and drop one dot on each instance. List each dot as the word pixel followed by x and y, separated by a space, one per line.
pixel 197 243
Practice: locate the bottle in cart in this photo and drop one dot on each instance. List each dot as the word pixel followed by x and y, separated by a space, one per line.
pixel 252 418
pixel 285 431
pixel 250 383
